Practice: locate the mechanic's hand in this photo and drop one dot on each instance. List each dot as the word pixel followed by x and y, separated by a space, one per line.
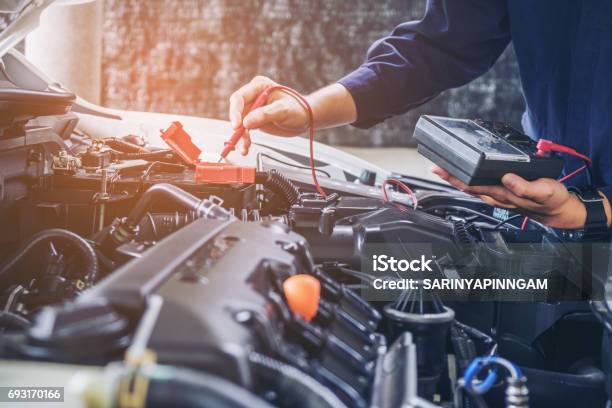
pixel 544 200
pixel 281 116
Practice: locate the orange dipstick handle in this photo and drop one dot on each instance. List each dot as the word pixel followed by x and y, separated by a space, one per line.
pixel 303 293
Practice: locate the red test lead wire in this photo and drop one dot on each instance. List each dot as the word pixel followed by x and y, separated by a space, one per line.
pixel 545 146
pixel 407 190
pixel 259 102
pixel 561 180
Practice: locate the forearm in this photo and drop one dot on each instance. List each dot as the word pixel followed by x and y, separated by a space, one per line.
pixel 332 106
pixel 454 43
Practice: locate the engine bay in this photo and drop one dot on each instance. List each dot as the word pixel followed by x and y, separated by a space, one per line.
pixel 243 286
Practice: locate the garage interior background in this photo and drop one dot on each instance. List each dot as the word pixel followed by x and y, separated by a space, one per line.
pixel 188 56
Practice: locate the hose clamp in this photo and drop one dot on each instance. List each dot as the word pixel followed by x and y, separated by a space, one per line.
pixel 206 205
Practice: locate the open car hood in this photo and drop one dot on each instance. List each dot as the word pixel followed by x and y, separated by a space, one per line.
pixel 24 18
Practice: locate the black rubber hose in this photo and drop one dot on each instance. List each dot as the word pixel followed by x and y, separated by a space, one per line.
pixel 279 184
pixel 476 334
pixel 154 227
pixel 464 348
pixel 302 390
pixel 165 191
pixel 161 192
pixel 7 269
pixel 181 387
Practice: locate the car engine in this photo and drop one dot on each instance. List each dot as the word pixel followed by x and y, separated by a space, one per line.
pixel 177 283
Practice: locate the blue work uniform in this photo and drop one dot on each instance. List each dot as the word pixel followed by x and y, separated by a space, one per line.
pixel 564 52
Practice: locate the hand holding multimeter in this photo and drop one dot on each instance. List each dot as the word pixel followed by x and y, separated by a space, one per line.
pixel 479 153
pixel 508 169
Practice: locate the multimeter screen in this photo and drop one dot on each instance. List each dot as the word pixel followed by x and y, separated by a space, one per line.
pixel 493 147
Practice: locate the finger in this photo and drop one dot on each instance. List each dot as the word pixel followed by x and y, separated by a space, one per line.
pixel 245 96
pixel 246 143
pixel 488 200
pixel 498 193
pixel 495 203
pixel 539 191
pixel 455 182
pixel 277 131
pixel 508 199
pixel 265 115
pixel 235 109
pixel 452 180
pixel 440 172
pixel 500 196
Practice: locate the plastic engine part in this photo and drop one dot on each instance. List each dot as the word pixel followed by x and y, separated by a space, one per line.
pixel 223 173
pixel 205 172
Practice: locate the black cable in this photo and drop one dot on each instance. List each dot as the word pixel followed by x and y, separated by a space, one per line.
pixel 468 210
pixel 158 155
pixel 499 224
pixel 163 166
pixel 297 166
pixel 7 269
pixel 120 172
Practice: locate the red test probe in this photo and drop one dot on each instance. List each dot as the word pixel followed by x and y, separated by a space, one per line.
pixel 230 145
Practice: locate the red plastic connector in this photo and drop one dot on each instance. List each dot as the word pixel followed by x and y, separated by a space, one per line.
pixel 223 173
pixel 544 146
pixel 179 141
pixel 205 172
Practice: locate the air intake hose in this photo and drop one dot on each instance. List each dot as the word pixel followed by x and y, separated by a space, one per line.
pixel 123 230
pixel 163 191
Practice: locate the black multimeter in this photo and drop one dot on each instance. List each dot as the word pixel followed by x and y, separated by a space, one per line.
pixel 480 152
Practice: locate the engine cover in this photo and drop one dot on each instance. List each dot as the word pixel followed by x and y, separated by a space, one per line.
pixel 220 282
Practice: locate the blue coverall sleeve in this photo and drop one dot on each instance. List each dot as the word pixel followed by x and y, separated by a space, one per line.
pixel 454 43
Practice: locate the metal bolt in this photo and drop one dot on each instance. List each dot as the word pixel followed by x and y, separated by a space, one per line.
pixel 243 316
pixel 104 184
